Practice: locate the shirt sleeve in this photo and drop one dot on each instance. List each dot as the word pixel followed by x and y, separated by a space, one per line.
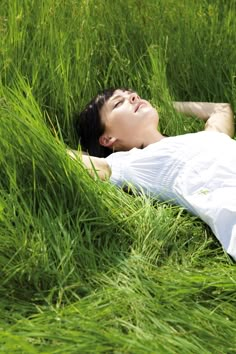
pixel 147 170
pixel 135 167
pixel 117 163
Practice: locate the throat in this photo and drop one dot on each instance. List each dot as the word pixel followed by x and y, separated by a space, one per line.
pixel 151 138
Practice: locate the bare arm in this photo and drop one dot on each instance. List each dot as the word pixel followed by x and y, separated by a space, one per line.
pixel 95 165
pixel 218 116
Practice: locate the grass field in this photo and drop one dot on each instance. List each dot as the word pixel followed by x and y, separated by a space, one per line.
pixel 85 267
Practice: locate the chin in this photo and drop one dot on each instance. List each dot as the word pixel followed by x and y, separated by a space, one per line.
pixel 154 116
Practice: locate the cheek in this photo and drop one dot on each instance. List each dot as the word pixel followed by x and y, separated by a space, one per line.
pixel 123 120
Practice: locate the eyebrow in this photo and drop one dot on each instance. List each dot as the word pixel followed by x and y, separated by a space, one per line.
pixel 113 98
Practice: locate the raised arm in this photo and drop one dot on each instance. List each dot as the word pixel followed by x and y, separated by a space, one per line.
pixel 218 116
pixel 96 166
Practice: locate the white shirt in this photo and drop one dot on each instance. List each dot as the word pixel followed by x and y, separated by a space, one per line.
pixel 196 171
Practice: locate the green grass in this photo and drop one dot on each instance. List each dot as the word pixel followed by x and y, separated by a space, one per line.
pixel 85 267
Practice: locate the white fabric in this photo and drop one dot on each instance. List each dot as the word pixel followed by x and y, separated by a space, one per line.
pixel 196 171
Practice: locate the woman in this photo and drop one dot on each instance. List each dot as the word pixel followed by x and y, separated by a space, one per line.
pixel 196 171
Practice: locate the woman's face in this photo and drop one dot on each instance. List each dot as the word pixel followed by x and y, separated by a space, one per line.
pixel 126 118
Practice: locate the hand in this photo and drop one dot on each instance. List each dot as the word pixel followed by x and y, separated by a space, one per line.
pixel 218 116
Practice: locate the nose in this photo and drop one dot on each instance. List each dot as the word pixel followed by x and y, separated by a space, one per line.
pixel 134 97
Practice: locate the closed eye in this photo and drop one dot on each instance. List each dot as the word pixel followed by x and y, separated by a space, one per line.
pixel 118 104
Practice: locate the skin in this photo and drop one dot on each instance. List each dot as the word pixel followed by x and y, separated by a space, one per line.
pixel 97 167
pixel 132 122
pixel 129 122
pixel 218 116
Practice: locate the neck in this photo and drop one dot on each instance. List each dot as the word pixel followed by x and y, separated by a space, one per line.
pixel 152 137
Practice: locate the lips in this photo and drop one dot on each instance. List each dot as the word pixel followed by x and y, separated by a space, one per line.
pixel 138 105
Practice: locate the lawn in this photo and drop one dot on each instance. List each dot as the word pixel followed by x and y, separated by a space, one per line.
pixel 84 266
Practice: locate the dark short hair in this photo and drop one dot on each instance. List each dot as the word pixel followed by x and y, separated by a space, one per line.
pixel 89 126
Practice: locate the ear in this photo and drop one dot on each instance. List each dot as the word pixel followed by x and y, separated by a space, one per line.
pixel 107 141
